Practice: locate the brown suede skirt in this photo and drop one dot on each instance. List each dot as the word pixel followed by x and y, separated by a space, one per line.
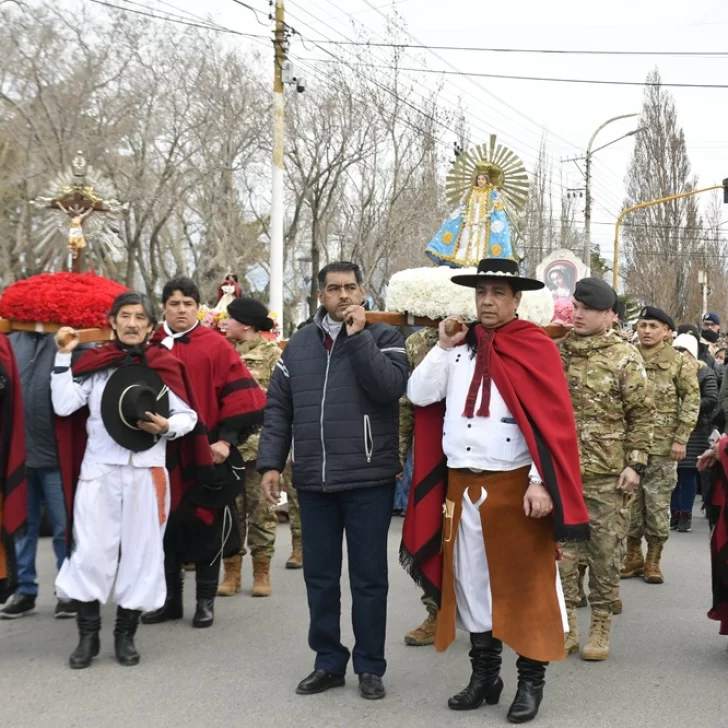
pixel 521 558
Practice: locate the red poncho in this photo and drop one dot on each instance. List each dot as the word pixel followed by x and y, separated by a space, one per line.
pixel 231 402
pixel 13 505
pixel 716 506
pixel 526 367
pixel 188 459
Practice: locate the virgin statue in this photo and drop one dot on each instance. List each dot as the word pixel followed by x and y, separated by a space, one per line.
pixel 488 184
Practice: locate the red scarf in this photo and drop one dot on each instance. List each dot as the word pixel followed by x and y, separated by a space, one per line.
pixel 526 367
pixel 188 458
pixel 13 508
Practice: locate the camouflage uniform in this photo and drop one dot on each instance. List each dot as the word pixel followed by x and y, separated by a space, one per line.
pixel 417 346
pixel 256 518
pixel 674 382
pixel 613 409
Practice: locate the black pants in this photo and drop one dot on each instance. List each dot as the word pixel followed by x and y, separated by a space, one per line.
pixel 364 515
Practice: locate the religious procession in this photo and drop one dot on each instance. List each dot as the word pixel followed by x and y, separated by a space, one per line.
pixel 515 455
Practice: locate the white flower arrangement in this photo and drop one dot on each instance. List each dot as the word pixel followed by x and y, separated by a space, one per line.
pixel 429 292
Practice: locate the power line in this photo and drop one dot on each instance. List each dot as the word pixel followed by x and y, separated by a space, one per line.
pixel 173 19
pixel 546 79
pixel 547 51
pixel 253 10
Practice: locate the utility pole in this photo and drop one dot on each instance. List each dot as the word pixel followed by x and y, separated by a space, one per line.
pixel 276 213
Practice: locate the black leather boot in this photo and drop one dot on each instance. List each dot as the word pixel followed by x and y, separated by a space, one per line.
pixel 531 679
pixel 205 612
pixel 172 608
pixel 485 684
pixel 88 619
pixel 127 621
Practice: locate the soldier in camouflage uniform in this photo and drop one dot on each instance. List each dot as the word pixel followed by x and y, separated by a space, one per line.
pixel 674 381
pixel 417 346
pixel 256 518
pixel 613 411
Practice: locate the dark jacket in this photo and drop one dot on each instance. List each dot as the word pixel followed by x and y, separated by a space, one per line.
pixel 338 411
pixel 35 355
pixel 698 442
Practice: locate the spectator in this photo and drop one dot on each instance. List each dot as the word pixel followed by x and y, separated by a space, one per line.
pixel 35 354
pixel 681 504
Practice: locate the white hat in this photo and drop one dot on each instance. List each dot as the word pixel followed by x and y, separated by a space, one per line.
pixel 687 342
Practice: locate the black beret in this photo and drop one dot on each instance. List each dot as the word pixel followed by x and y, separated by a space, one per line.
pixel 652 313
pixel 595 293
pixel 250 312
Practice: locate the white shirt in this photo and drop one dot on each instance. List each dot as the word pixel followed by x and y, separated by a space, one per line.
pixel 331 327
pixel 481 443
pixel 68 396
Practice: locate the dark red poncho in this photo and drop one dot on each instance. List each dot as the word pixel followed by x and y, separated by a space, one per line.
pixel 526 367
pixel 188 458
pixel 13 504
pixel 231 402
pixel 716 506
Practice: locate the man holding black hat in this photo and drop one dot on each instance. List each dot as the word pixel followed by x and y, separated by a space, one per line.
pixel 230 405
pixel 677 404
pixel 118 408
pixel 257 520
pixel 613 410
pixel 504 486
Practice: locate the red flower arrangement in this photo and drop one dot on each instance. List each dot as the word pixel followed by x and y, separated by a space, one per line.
pixel 81 300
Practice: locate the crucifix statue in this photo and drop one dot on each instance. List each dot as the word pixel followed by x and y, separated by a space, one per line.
pixel 79 198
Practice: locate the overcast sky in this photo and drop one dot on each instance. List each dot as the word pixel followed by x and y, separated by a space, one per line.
pixel 520 111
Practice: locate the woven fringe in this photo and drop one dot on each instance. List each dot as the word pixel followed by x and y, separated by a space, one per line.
pixel 573 534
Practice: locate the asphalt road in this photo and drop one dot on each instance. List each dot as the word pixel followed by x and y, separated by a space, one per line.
pixel 668 666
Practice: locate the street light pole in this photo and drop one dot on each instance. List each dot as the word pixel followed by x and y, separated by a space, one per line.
pixel 587 207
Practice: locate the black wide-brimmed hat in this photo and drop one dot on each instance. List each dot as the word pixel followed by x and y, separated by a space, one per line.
pixel 224 485
pixel 129 394
pixel 500 269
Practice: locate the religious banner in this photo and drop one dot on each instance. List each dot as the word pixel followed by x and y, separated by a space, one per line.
pixel 560 270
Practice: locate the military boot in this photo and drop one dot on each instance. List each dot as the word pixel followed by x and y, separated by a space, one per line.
pixel 261 577
pixel 571 640
pixel 582 602
pixel 634 562
pixel 597 646
pixel 424 635
pixel 653 575
pixel 617 606
pixel 295 560
pixel 231 580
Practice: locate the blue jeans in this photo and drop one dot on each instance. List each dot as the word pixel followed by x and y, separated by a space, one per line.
pixel 364 514
pixel 401 494
pixel 684 494
pixel 44 485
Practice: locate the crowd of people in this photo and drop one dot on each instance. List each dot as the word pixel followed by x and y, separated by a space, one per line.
pixel 534 465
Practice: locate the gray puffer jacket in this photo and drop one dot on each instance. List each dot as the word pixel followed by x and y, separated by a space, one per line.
pixel 337 411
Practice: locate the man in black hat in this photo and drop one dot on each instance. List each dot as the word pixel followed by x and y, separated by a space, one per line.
pixel 131 401
pixel 674 380
pixel 613 411
pixel 496 482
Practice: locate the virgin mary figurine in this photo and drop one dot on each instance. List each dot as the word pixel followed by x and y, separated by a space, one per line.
pixel 489 185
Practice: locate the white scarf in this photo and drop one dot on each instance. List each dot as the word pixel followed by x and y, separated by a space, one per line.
pixel 168 340
pixel 332 327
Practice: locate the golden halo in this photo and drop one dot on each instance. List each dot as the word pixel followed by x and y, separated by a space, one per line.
pixel 505 169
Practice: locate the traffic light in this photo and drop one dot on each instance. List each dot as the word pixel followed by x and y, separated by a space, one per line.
pixel 725 191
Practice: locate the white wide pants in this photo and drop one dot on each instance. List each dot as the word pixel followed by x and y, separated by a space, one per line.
pixel 116 524
pixel 472 576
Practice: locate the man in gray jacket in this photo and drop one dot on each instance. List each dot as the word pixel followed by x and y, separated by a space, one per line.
pixel 333 401
pixel 35 354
